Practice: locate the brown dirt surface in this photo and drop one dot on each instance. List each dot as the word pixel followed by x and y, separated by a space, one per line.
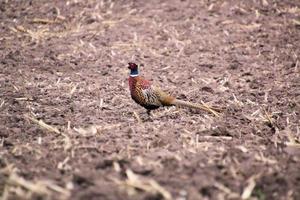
pixel 69 129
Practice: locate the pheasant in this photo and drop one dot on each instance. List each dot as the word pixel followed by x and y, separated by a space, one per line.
pixel 151 97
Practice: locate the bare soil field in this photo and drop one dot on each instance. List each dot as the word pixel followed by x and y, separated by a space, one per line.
pixel 70 130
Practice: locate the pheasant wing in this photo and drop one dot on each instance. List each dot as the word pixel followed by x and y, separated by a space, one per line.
pixel 152 97
pixel 163 98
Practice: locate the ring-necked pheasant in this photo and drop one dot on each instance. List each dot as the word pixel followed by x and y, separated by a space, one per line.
pixel 151 97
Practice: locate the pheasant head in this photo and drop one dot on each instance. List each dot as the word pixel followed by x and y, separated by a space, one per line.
pixel 134 71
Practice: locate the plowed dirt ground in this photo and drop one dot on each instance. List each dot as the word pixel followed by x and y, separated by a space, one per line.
pixel 69 129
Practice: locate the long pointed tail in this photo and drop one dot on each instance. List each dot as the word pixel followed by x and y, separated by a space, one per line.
pixel 178 102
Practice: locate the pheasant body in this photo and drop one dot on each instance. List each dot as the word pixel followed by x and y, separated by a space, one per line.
pixel 144 94
pixel 150 97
